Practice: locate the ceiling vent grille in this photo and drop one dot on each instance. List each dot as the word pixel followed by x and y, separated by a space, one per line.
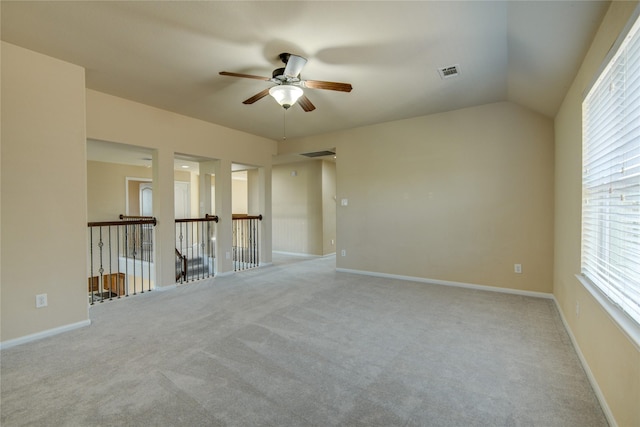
pixel 449 72
pixel 319 154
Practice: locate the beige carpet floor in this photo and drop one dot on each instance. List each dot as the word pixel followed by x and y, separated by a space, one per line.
pixel 299 344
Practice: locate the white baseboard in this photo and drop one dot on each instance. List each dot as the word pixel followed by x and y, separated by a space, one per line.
pixel 44 334
pixel 300 254
pixel 592 379
pixel 449 283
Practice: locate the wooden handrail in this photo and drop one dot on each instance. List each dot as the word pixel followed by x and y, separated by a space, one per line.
pixel 208 217
pixel 245 216
pixel 128 222
pixel 133 217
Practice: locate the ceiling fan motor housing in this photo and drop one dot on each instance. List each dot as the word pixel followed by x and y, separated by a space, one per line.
pixel 284 57
pixel 278 73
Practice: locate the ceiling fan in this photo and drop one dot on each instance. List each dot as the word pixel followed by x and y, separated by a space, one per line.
pixel 288 84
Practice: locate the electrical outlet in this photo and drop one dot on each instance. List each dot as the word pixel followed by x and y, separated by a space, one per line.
pixel 344 202
pixel 517 268
pixel 41 300
pixel 343 252
pixel 333 242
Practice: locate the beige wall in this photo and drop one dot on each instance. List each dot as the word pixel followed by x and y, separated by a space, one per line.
pixel 612 359
pixel 183 176
pixel 114 119
pixel 328 207
pixel 304 207
pixel 106 193
pixel 253 189
pixel 240 197
pixel 297 208
pixel 44 194
pixel 0 197
pixel 458 197
pixel 194 190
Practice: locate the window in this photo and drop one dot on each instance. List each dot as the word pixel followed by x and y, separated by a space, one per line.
pixel 611 177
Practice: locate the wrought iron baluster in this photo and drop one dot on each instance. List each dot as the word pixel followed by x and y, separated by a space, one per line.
pixel 257 242
pixel 133 256
pixel 249 243
pixel 101 270
pixel 91 261
pixel 120 251
pixel 111 268
pixel 196 250
pixel 203 255
pixel 254 253
pixel 209 251
pixel 234 243
pixel 181 245
pixel 140 234
pixel 242 244
pixel 188 246
pixel 150 251
pixel 126 256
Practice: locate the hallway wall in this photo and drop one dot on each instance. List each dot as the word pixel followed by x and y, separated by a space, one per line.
pixel 44 194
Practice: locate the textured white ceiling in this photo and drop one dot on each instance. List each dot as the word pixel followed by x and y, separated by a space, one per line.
pixel 168 54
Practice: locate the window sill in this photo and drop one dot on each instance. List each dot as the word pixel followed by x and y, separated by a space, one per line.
pixel 629 327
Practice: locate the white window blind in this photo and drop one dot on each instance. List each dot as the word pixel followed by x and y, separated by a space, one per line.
pixel 611 178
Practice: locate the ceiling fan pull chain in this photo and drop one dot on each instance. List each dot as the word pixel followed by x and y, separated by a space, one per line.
pixel 284 125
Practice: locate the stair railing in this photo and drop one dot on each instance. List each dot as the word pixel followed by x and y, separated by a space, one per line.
pixel 120 258
pixel 195 248
pixel 246 248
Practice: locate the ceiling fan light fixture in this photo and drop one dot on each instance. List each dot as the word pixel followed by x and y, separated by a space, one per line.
pixel 286 95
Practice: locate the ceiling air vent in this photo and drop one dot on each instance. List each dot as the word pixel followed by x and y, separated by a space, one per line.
pixel 449 72
pixel 319 154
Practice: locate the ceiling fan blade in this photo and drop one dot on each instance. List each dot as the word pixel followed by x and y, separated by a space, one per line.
pixel 317 84
pixel 294 65
pixel 258 96
pixel 246 76
pixel 306 104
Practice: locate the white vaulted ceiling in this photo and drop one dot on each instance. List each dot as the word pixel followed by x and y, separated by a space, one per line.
pixel 168 54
